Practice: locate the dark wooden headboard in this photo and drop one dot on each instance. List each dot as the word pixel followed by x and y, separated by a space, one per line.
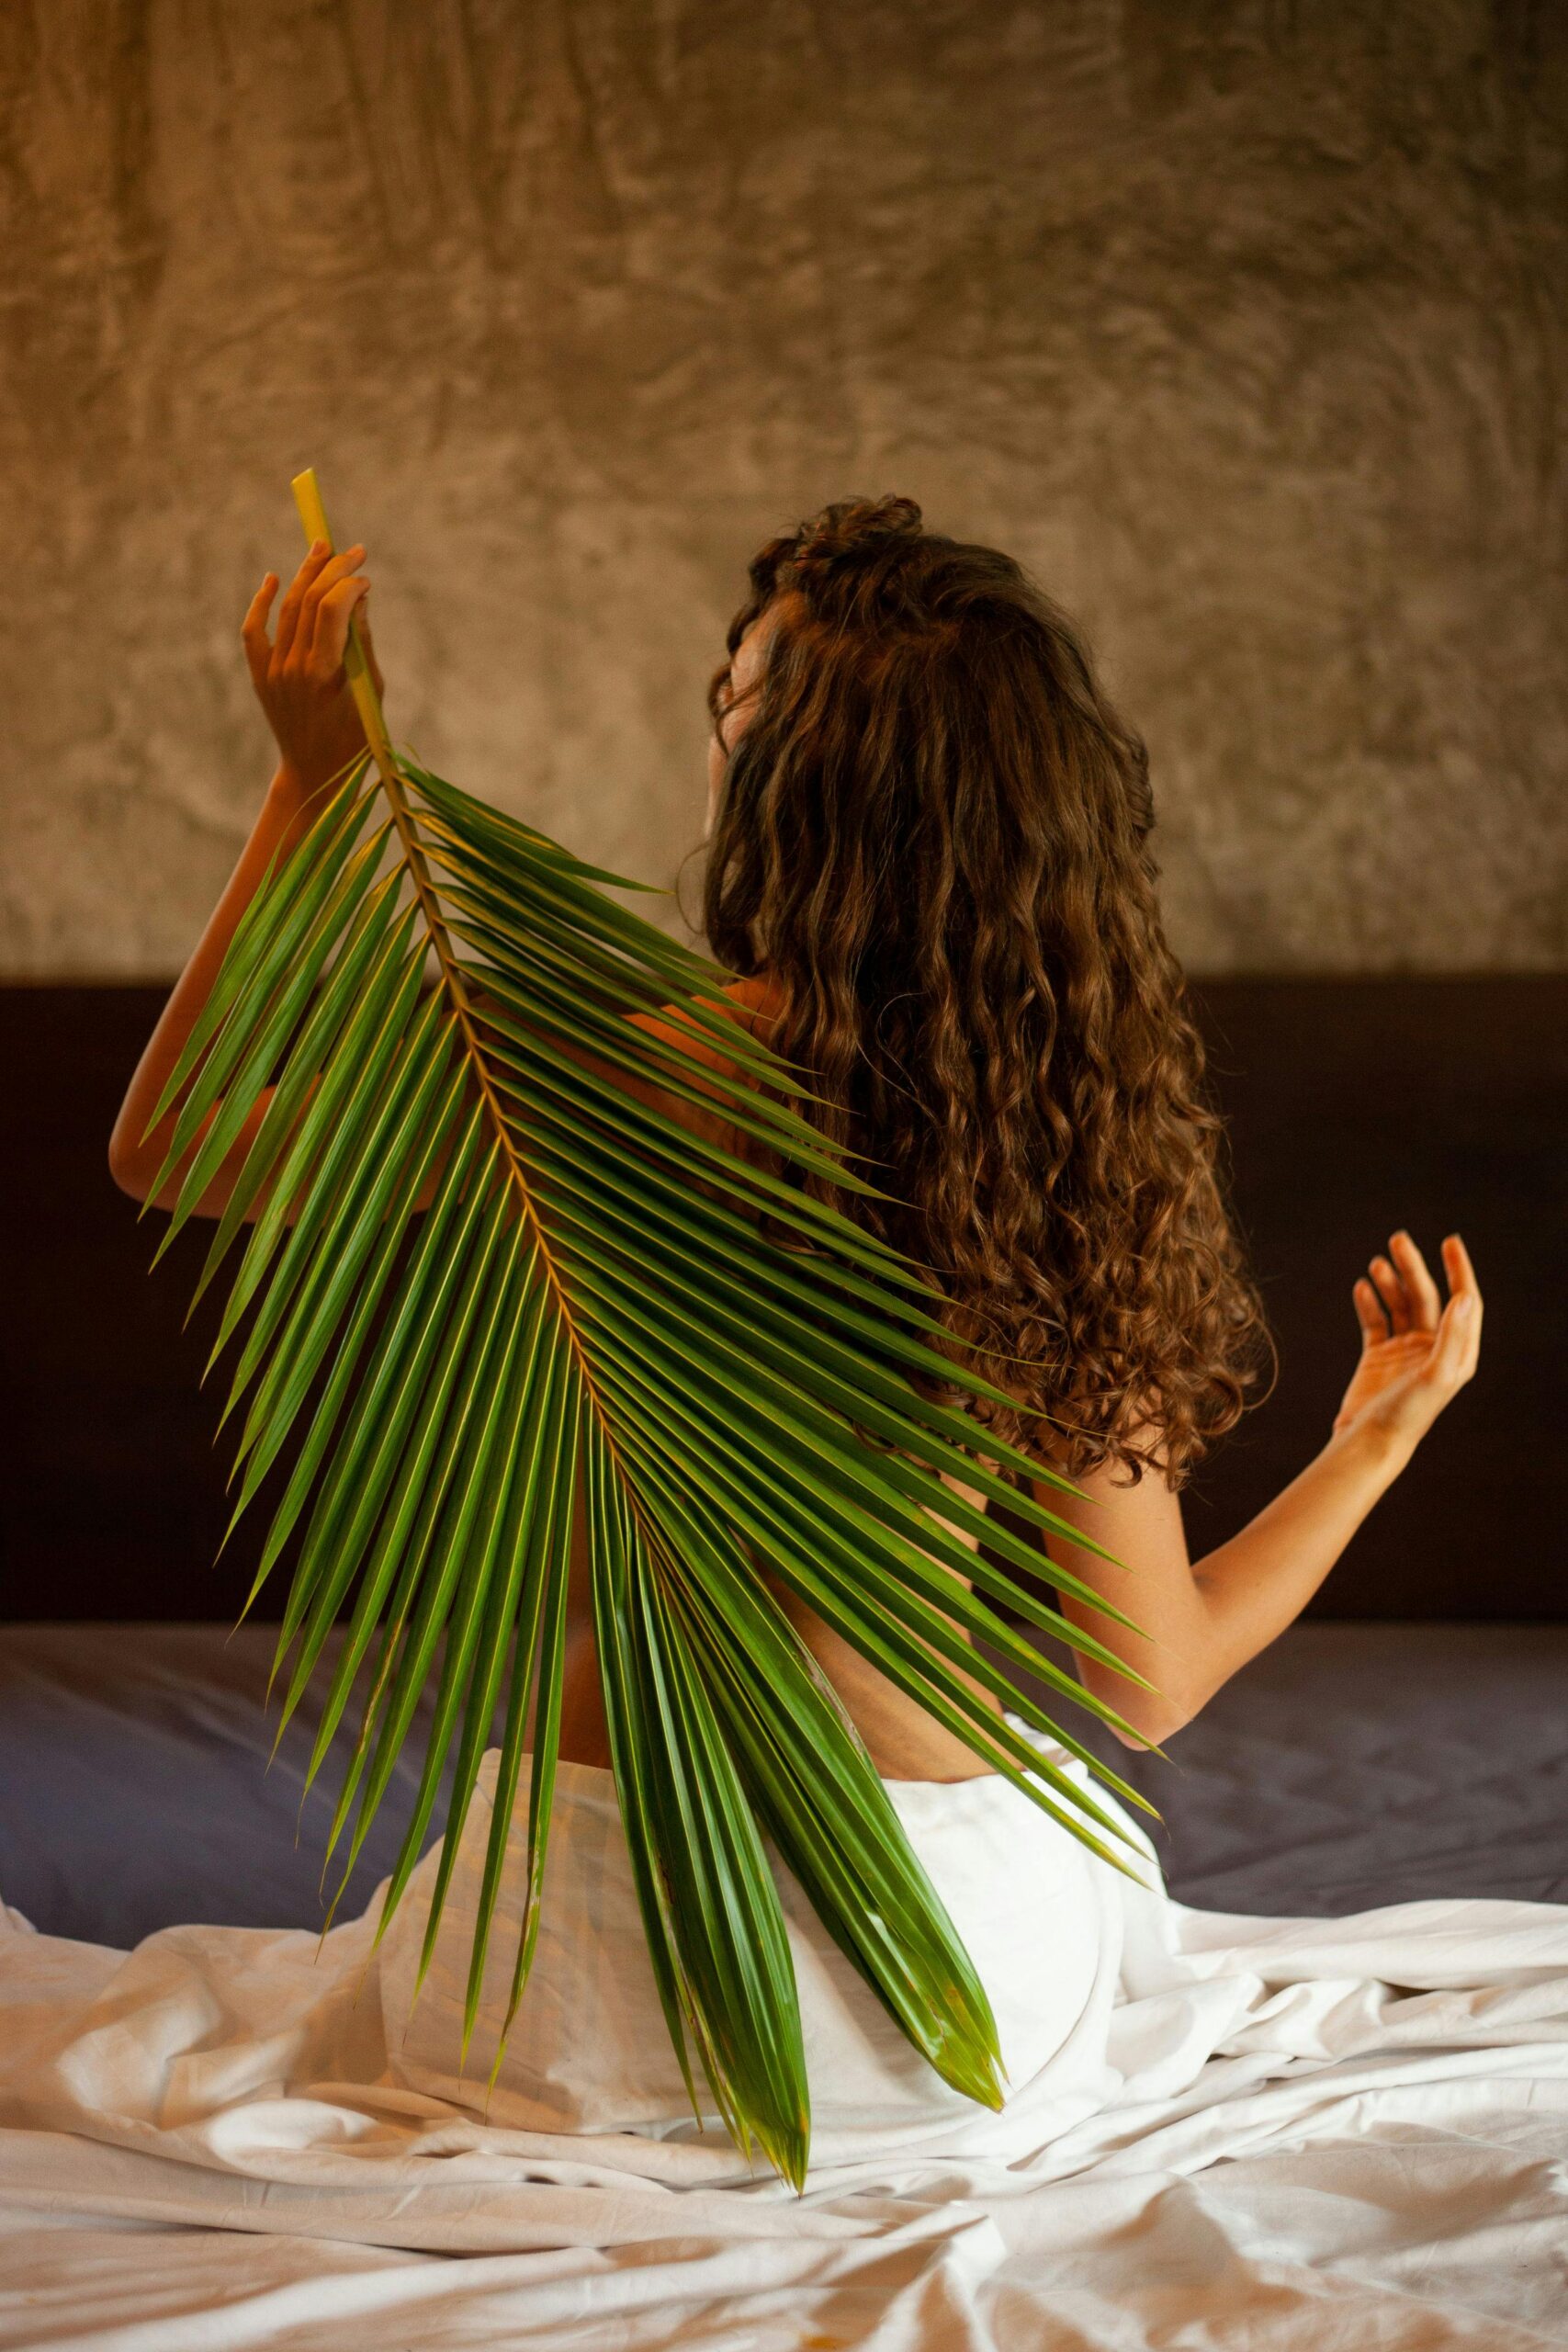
pixel 1354 1105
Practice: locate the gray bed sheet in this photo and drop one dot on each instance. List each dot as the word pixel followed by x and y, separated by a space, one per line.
pixel 1349 1767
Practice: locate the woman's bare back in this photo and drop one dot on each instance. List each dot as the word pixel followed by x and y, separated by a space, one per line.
pixel 904 1741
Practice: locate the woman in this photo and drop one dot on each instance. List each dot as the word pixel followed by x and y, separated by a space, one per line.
pixel 928 821
pixel 929 871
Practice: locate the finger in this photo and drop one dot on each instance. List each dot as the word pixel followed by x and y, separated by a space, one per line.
pixel 1450 1364
pixel 1391 1290
pixel 289 613
pixel 1463 1284
pixel 1426 1303
pixel 332 619
pixel 1458 1266
pixel 337 569
pixel 1368 1313
pixel 252 629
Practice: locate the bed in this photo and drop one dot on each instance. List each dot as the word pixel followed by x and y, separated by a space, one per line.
pixel 1315 2183
pixel 1350 1765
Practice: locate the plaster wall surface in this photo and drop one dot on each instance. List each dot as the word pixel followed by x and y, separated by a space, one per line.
pixel 1243 324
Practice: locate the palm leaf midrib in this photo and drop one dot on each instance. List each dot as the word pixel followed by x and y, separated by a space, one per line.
pixel 453 979
pixel 455 983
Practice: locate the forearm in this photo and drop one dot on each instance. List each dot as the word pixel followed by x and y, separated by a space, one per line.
pixel 285 813
pixel 1199 1622
pixel 1250 1589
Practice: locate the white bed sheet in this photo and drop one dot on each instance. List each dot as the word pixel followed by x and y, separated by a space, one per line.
pixel 1328 2134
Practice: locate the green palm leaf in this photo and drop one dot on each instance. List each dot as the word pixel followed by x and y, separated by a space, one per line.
pixel 586 1330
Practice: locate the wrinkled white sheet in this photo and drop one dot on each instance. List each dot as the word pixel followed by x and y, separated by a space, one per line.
pixel 1240 2133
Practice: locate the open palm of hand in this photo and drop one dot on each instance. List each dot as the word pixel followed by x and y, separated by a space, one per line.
pixel 1416 1351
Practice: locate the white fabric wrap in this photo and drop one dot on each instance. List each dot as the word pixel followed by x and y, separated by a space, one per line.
pixel 590 2050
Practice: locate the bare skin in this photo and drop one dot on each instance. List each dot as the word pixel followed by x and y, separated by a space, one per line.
pixel 1201 1620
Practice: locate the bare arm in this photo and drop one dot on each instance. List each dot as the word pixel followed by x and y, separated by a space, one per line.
pixel 303 689
pixel 1204 1619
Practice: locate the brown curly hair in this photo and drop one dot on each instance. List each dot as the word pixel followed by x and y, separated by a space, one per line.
pixel 933 842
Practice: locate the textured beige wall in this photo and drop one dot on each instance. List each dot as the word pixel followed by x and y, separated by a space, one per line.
pixel 1242 322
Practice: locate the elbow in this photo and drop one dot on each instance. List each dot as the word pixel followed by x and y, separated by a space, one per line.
pixel 1150 1717
pixel 124 1168
pixel 1151 1726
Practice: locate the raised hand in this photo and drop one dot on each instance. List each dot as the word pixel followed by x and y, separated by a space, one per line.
pixel 298 675
pixel 1417 1351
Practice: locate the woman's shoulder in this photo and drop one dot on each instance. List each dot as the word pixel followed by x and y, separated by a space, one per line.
pixel 757 1002
pixel 755 1005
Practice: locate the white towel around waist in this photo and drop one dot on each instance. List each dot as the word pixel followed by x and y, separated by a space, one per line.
pixel 590 2053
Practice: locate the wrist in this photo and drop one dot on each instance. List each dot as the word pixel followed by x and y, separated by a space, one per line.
pixel 293 803
pixel 288 789
pixel 293 795
pixel 1368 1452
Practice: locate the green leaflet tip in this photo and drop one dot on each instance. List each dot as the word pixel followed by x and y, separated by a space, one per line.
pixel 170 1231
pixel 331 1907
pixel 495 2070
pixel 421 1972
pixel 789 2151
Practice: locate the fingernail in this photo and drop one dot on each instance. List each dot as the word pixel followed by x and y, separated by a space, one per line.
pixel 1463 1310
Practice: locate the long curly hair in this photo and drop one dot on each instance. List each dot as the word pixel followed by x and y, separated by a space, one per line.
pixel 932 842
